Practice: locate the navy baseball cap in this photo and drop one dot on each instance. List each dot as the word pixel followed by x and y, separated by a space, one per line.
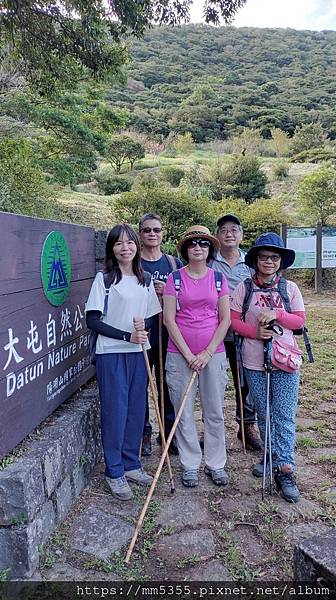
pixel 226 218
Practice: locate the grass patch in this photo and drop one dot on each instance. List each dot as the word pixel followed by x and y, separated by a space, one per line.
pixel 319 378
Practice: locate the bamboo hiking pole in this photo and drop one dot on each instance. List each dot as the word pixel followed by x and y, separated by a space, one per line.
pixel 161 380
pixel 158 470
pixel 151 383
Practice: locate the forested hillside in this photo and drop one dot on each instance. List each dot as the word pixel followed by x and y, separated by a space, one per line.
pixel 211 81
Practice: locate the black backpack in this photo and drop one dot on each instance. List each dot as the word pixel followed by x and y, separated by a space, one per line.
pixel 281 289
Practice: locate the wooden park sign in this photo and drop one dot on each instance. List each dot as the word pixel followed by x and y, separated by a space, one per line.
pixel 47 269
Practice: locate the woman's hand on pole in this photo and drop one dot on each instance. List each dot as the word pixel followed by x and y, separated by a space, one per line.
pixel 266 316
pixel 263 333
pixel 200 361
pixel 139 323
pixel 139 336
pixel 159 287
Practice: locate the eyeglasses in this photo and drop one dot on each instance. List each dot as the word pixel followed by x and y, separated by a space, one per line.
pixel 202 243
pixel 153 229
pixel 233 230
pixel 265 257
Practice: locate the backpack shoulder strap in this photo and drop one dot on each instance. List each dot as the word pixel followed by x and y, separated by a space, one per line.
pixel 218 281
pixel 248 283
pixel 172 261
pixel 177 283
pixel 148 278
pixel 282 289
pixel 107 291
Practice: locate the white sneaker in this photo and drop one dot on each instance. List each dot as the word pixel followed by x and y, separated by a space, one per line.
pixel 119 488
pixel 139 476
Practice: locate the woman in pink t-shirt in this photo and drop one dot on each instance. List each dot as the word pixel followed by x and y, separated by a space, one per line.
pixel 197 316
pixel 268 256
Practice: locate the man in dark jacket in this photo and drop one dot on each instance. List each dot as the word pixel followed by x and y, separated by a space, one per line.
pixel 160 266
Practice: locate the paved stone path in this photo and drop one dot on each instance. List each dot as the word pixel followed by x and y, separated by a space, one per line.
pixel 206 533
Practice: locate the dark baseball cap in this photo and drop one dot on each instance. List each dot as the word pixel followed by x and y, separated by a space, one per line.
pixel 226 218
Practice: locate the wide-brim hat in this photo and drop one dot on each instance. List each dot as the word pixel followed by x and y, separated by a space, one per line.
pixel 271 241
pixel 197 231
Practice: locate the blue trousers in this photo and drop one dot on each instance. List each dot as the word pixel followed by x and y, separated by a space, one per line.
pixel 283 403
pixel 122 380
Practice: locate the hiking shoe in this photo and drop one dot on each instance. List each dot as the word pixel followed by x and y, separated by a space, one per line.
pixel 258 469
pixel 218 476
pixel 139 476
pixel 190 478
pixel 285 483
pixel 119 488
pixel 252 437
pixel 173 449
pixel 146 448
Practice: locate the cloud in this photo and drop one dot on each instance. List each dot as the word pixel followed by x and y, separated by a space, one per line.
pixel 296 14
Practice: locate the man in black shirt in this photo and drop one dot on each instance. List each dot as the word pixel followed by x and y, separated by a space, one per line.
pixel 159 265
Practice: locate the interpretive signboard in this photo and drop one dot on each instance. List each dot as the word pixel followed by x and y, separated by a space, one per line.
pixel 47 269
pixel 303 241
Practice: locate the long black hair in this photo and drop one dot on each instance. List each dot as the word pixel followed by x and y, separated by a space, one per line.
pixel 111 264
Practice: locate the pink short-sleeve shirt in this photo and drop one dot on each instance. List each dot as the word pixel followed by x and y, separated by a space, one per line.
pixel 197 318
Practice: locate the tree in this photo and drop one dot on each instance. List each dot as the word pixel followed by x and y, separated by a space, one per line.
pixel 68 131
pixel 58 39
pixel 23 187
pixel 280 142
pixel 248 142
pixel 120 149
pixel 178 208
pixel 183 144
pixel 309 135
pixel 317 196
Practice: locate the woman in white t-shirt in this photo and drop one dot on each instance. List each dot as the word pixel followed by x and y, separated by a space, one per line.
pixel 120 366
pixel 268 256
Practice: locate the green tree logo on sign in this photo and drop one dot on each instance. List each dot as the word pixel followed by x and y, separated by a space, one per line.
pixel 56 268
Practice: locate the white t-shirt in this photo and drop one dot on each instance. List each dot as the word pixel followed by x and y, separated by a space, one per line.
pixel 126 300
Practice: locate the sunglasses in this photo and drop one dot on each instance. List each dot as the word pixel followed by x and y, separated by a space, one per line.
pixel 202 243
pixel 149 229
pixel 266 257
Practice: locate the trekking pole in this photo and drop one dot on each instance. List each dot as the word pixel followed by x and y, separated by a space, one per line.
pixel 158 470
pixel 151 382
pixel 161 379
pixel 240 406
pixel 267 437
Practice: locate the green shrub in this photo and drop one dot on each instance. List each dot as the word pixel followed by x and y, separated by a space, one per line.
pixel 280 170
pixel 23 188
pixel 114 185
pixel 178 208
pixel 315 155
pixel 172 175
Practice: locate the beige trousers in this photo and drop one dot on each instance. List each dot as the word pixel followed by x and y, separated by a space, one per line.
pixel 212 383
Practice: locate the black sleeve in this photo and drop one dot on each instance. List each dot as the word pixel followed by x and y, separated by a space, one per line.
pixel 94 322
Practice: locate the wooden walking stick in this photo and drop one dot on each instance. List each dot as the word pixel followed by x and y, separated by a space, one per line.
pixel 158 470
pixel 151 383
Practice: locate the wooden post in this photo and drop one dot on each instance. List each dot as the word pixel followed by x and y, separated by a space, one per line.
pixel 318 269
pixel 283 233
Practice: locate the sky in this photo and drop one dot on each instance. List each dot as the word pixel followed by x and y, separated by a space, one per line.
pixel 296 14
